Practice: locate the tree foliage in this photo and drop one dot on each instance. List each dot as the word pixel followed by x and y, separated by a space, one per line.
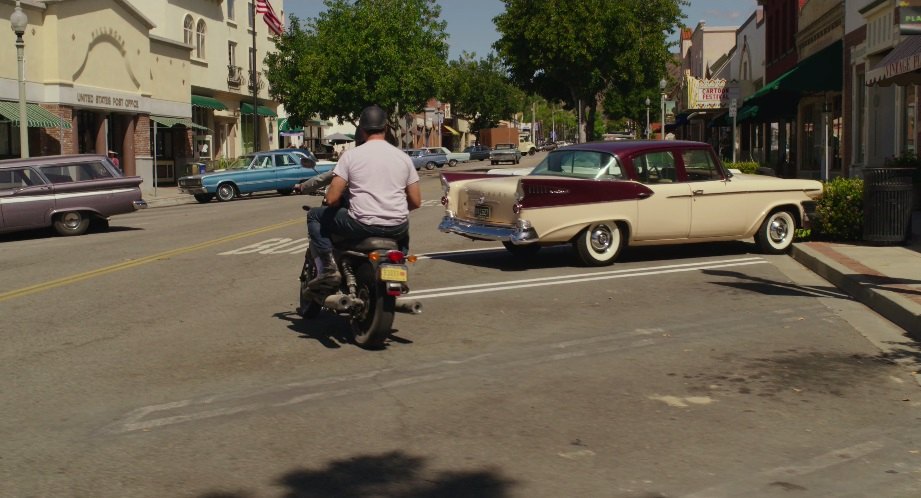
pixel 609 52
pixel 480 90
pixel 385 52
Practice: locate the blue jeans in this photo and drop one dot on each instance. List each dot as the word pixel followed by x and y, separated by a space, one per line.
pixel 323 222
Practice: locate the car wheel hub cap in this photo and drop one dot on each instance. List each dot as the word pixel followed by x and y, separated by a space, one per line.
pixel 71 221
pixel 601 239
pixel 778 230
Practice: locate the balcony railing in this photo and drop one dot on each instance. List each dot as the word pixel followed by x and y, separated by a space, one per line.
pixel 234 76
pixel 255 81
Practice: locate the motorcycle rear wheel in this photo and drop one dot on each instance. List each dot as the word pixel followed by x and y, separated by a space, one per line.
pixel 371 324
pixel 308 307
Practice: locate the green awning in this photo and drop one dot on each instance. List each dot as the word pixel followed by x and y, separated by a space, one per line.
pixel 170 122
pixel 820 72
pixel 36 115
pixel 247 108
pixel 208 103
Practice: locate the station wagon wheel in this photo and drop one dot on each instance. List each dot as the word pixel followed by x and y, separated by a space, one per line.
pixel 430 165
pixel 226 192
pixel 599 244
pixel 776 233
pixel 71 223
pixel 452 163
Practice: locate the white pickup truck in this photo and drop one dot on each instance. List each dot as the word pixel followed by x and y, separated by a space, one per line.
pixel 453 157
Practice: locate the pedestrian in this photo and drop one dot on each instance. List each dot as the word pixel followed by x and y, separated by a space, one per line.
pixel 113 157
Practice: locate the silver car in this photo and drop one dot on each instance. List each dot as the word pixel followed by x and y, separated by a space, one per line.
pixel 66 192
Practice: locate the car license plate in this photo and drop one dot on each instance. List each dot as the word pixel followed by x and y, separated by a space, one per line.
pixel 394 273
pixel 481 211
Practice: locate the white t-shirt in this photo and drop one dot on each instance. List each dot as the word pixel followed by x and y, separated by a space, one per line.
pixel 378 174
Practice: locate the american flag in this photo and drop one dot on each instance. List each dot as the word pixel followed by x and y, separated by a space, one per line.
pixel 268 15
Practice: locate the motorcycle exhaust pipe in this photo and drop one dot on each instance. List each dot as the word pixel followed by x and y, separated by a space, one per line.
pixel 339 302
pixel 410 306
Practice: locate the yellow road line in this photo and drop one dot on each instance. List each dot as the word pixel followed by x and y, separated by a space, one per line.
pixel 25 291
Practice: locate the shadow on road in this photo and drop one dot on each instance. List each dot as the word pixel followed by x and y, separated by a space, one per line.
pixel 328 329
pixel 774 288
pixel 393 474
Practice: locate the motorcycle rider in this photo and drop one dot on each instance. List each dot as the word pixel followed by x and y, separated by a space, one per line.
pixel 383 187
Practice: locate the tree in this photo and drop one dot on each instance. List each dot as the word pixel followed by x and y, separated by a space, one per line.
pixel 588 51
pixel 480 90
pixel 384 52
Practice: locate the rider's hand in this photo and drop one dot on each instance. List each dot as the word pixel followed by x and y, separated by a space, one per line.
pixel 297 188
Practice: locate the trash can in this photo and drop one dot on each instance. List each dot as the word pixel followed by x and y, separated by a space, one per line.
pixel 887 204
pixel 199 168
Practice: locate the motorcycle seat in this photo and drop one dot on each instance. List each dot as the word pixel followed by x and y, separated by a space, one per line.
pixel 369 244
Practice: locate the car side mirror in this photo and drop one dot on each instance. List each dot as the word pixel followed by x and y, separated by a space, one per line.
pixel 308 163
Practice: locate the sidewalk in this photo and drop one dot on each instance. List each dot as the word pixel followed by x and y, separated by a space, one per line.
pixel 166 196
pixel 885 278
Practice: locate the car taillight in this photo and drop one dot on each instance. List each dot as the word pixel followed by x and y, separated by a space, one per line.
pixel 396 257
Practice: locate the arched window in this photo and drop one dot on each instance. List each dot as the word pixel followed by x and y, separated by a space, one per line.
pixel 200 39
pixel 187 30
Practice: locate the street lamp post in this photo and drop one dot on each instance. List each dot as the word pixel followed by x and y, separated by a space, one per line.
pixel 647 117
pixel 19 21
pixel 662 84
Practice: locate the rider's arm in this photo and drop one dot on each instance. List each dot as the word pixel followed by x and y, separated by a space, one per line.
pixel 413 196
pixel 335 190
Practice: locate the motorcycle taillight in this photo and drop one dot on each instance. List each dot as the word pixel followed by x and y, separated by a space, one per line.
pixel 396 257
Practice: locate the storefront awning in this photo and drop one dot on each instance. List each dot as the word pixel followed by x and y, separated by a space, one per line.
pixel 36 115
pixel 247 108
pixel 451 130
pixel 170 122
pixel 900 66
pixel 208 103
pixel 820 72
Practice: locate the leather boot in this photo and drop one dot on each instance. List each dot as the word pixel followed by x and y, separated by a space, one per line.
pixel 329 277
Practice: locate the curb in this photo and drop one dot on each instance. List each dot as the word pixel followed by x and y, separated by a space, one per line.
pixel 891 306
pixel 154 202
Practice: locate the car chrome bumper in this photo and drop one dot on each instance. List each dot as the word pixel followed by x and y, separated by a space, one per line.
pixel 139 204
pixel 193 190
pixel 519 235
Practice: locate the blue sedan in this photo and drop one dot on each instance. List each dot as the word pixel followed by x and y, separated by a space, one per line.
pixel 278 170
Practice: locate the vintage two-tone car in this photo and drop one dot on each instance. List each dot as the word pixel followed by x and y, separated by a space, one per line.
pixel 278 170
pixel 603 196
pixel 66 192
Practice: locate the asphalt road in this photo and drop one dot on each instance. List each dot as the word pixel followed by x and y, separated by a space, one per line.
pixel 163 358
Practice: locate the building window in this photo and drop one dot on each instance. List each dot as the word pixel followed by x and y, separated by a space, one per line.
pixel 908 119
pixel 187 30
pixel 231 53
pixel 230 10
pixel 200 39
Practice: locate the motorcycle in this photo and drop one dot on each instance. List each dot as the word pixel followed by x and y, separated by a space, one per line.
pixel 375 277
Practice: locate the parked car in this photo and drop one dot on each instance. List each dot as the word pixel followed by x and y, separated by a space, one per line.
pixel 278 170
pixel 66 192
pixel 505 153
pixel 426 158
pixel 603 196
pixel 478 152
pixel 453 157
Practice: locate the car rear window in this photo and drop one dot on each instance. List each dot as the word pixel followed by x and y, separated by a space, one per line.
pixel 580 164
pixel 18 178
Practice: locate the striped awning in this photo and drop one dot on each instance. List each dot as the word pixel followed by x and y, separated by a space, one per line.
pixel 170 122
pixel 247 108
pixel 208 103
pixel 36 115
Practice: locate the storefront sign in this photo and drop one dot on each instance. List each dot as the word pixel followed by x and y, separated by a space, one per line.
pixel 108 101
pixel 707 94
pixel 910 17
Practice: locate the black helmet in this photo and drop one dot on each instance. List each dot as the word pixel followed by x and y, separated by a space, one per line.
pixel 373 119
